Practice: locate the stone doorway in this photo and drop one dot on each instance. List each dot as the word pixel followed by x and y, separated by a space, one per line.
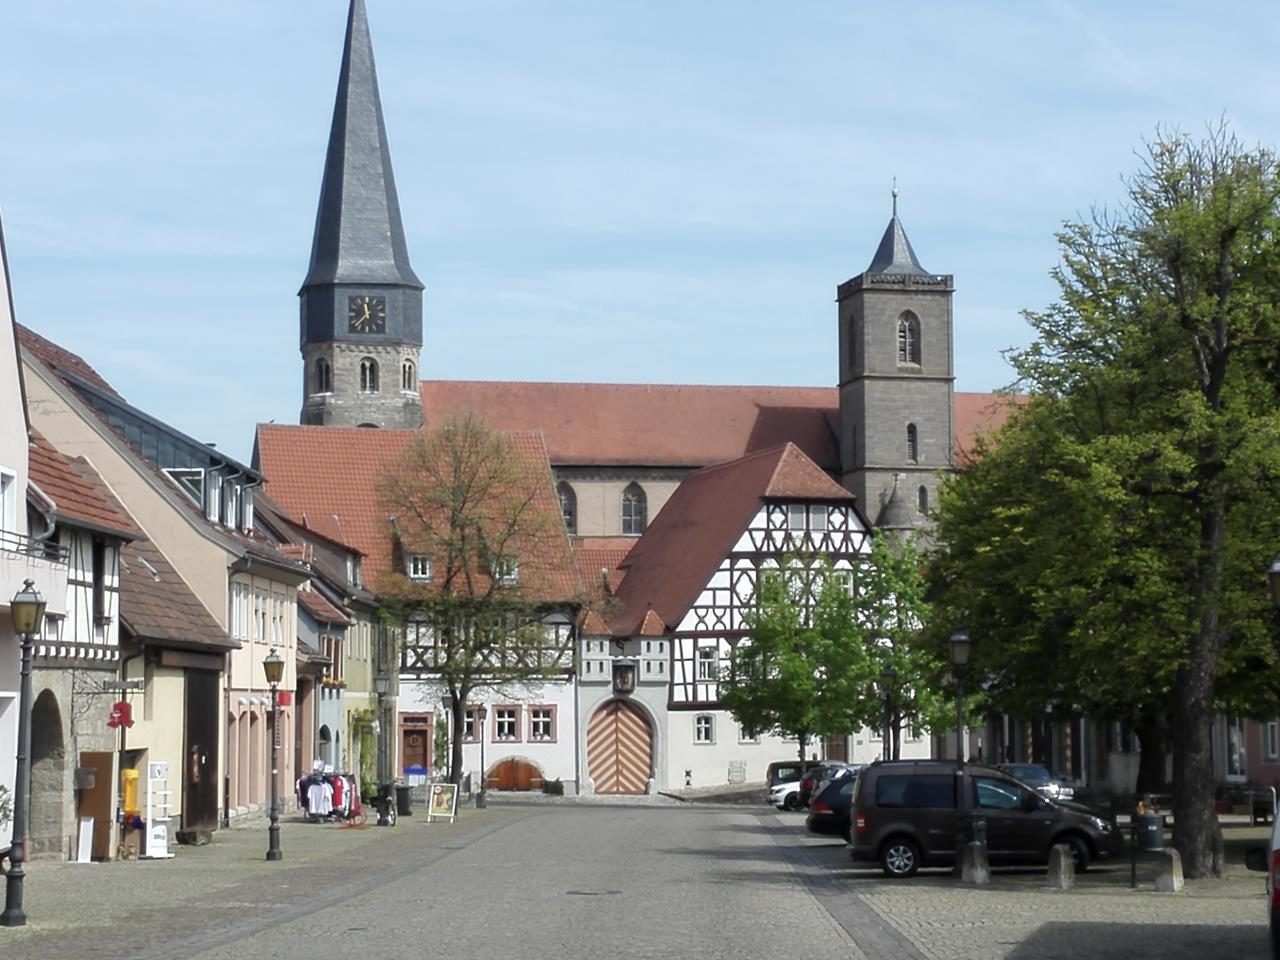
pixel 50 791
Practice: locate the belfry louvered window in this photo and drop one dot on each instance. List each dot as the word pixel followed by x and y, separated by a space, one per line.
pixel 324 376
pixel 909 338
pixel 368 375
pixel 913 444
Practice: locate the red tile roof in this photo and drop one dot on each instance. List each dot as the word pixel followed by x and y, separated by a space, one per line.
pixel 76 500
pixel 698 526
pixel 630 424
pixel 60 359
pixel 321 609
pixel 599 559
pixel 327 477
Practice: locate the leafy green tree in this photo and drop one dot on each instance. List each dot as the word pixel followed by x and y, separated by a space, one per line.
pixel 889 614
pixel 1107 554
pixel 803 671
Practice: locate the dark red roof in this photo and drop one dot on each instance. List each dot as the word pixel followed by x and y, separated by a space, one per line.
pixel 75 500
pixel 60 359
pixel 698 526
pixel 321 609
pixel 327 477
pixel 634 424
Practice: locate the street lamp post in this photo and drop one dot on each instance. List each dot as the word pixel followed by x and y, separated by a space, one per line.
pixel 27 610
pixel 273 667
pixel 481 800
pixel 960 647
pixel 887 677
pixel 381 682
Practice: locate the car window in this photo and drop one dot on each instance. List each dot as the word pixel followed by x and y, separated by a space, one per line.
pixel 846 786
pixel 922 791
pixel 992 794
pixel 1029 771
pixel 786 773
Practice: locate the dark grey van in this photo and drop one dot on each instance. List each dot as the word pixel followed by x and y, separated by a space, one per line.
pixel 908 814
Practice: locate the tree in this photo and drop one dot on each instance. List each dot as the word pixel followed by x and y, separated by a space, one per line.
pixel 803 671
pixel 1108 553
pixel 483 580
pixel 889 614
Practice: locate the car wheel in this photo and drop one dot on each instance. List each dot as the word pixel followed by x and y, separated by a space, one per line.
pixel 1079 852
pixel 791 801
pixel 900 857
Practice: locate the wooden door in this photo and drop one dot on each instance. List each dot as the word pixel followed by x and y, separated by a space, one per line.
pixel 514 774
pixel 98 801
pixel 619 749
pixel 415 749
pixel 200 773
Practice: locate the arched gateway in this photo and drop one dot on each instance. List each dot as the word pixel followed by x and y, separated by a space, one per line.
pixel 619 748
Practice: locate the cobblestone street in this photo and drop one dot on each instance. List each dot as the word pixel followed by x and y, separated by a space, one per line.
pixel 586 880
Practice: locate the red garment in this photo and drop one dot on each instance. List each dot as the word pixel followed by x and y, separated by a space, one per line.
pixel 337 785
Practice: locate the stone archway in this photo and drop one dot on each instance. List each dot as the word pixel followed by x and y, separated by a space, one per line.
pixel 514 773
pixel 49 796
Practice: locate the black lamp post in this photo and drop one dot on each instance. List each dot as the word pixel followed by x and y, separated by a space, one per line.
pixel 960 647
pixel 481 799
pixel 887 677
pixel 27 610
pixel 273 667
pixel 381 682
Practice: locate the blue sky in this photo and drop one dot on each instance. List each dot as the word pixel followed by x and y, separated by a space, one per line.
pixel 624 191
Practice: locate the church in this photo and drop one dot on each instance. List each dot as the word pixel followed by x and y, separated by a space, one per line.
pixel 672 497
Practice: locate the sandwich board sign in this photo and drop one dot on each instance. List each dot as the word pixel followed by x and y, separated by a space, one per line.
pixel 442 801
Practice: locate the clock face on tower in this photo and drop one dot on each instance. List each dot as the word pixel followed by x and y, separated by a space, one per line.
pixel 367 314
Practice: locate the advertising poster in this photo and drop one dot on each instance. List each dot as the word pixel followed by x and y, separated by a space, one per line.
pixel 443 801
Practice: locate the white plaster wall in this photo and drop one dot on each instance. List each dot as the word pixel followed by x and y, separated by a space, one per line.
pixel 708 764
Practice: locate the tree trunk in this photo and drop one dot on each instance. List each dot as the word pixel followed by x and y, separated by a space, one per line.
pixel 803 738
pixel 1195 824
pixel 1153 735
pixel 455 741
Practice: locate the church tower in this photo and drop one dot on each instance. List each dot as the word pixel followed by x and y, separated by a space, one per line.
pixel 361 303
pixel 896 375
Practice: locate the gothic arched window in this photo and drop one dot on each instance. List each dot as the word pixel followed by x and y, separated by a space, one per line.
pixel 568 507
pixel 324 376
pixel 909 338
pixel 634 510
pixel 922 499
pixel 368 375
pixel 408 377
pixel 913 444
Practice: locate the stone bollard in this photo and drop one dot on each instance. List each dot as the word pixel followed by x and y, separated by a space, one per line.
pixel 1169 873
pixel 973 865
pixel 1062 868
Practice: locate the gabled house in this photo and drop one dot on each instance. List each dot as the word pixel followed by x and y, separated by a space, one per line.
pixel 77 659
pixel 195 506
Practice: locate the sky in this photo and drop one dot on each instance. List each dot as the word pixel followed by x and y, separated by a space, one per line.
pixel 660 191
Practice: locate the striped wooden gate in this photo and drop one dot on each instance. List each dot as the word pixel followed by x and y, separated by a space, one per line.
pixel 619 748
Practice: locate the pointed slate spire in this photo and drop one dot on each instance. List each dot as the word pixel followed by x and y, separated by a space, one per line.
pixel 359 237
pixel 895 514
pixel 894 255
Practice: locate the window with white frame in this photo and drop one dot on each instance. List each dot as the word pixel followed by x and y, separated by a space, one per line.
pixel 818 517
pixel 506 723
pixel 708 663
pixel 542 723
pixel 277 620
pixel 795 516
pixel 506 570
pixel 8 501
pixel 470 724
pixel 213 509
pixel 419 566
pixel 260 600
pixel 704 728
pixel 1271 748
pixel 747 735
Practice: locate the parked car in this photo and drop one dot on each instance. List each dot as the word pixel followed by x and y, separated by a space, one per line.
pixel 814 778
pixel 1038 776
pixel 829 811
pixel 783 770
pixel 909 814
pixel 786 795
pixel 1267 859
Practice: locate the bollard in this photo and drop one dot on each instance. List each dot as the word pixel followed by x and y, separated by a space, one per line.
pixel 974 868
pixel 1062 868
pixel 1169 874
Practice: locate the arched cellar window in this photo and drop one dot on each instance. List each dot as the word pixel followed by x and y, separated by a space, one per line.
pixel 909 338
pixel 408 377
pixel 568 507
pixel 922 499
pixel 368 375
pixel 913 444
pixel 634 510
pixel 324 376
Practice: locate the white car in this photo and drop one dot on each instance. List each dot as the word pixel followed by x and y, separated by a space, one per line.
pixel 785 795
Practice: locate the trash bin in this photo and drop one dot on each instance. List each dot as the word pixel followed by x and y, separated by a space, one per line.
pixel 1150 830
pixel 404 801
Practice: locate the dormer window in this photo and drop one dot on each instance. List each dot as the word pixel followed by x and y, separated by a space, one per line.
pixel 189 481
pixel 418 566
pixel 231 507
pixel 213 507
pixel 353 571
pixel 505 570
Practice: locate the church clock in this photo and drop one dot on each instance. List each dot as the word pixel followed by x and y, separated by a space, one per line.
pixel 367 314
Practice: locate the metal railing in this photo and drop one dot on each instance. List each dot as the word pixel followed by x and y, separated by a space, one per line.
pixel 49 550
